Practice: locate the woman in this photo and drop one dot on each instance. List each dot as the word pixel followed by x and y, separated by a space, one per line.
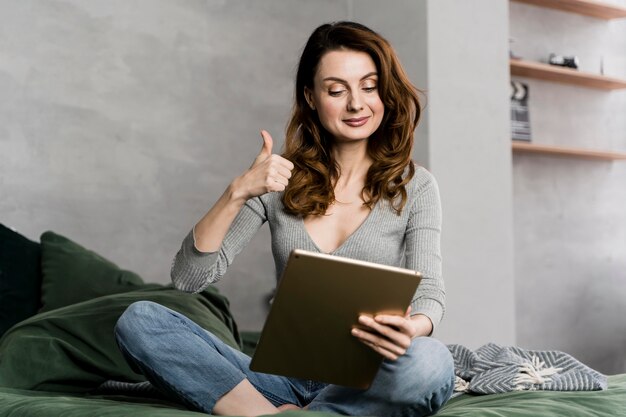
pixel 345 185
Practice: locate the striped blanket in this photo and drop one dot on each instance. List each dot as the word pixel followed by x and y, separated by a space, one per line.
pixel 494 369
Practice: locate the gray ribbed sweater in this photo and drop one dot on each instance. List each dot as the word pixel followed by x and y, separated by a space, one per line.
pixel 410 240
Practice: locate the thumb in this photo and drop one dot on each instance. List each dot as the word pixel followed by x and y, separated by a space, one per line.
pixel 266 150
pixel 268 143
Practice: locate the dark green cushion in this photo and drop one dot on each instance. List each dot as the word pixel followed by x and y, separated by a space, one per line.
pixel 73 349
pixel 20 278
pixel 72 274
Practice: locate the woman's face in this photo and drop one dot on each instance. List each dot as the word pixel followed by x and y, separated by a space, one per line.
pixel 345 95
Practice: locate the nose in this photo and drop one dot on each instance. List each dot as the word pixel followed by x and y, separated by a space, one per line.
pixel 355 102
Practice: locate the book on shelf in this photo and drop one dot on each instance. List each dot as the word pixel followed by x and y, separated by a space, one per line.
pixel 520 120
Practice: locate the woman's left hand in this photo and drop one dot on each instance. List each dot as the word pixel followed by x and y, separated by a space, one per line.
pixel 391 335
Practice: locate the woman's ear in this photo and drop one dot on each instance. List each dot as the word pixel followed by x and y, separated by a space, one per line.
pixel 308 96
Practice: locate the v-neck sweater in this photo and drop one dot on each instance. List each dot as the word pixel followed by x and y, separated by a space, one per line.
pixel 410 240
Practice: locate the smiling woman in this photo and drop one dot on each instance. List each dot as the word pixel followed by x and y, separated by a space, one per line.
pixel 345 95
pixel 335 57
pixel 345 185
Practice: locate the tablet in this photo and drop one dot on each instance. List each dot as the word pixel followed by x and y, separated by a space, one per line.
pixel 319 298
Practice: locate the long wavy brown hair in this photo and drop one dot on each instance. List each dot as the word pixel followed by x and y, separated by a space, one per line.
pixel 309 146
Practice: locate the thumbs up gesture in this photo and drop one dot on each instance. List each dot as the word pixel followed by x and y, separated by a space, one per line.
pixel 269 172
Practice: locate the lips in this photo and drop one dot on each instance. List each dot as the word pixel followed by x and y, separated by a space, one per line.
pixel 356 121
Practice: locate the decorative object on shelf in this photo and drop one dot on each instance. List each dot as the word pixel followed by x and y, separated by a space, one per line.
pixel 520 120
pixel 563 61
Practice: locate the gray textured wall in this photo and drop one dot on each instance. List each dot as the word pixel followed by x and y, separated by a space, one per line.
pixel 121 122
pixel 466 147
pixel 570 221
pixel 468 131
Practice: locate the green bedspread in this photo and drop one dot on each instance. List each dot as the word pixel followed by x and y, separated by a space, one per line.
pixel 50 362
pixel 19 403
pixel 612 402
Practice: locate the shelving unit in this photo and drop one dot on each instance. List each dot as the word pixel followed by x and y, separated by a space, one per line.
pixel 566 224
pixel 598 9
pixel 523 147
pixel 557 74
pixel 570 76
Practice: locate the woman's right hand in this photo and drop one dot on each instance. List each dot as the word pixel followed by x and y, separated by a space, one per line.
pixel 269 172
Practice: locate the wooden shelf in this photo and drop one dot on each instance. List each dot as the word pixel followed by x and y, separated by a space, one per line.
pixel 601 10
pixel 564 75
pixel 567 152
pixel 572 76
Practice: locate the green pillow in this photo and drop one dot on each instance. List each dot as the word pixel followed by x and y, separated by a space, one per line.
pixel 20 278
pixel 73 349
pixel 72 274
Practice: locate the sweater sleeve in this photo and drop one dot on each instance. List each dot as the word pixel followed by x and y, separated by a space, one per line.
pixel 193 271
pixel 423 251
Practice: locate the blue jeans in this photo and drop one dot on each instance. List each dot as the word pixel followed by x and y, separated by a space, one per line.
pixel 196 368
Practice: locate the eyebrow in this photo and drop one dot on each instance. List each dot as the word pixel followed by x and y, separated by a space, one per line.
pixel 369 74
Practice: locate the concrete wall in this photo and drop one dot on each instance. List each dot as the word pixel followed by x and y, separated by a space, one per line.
pixel 467 148
pixel 570 221
pixel 121 122
pixel 470 155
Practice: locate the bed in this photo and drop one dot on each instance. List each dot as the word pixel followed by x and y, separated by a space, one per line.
pixel 59 302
